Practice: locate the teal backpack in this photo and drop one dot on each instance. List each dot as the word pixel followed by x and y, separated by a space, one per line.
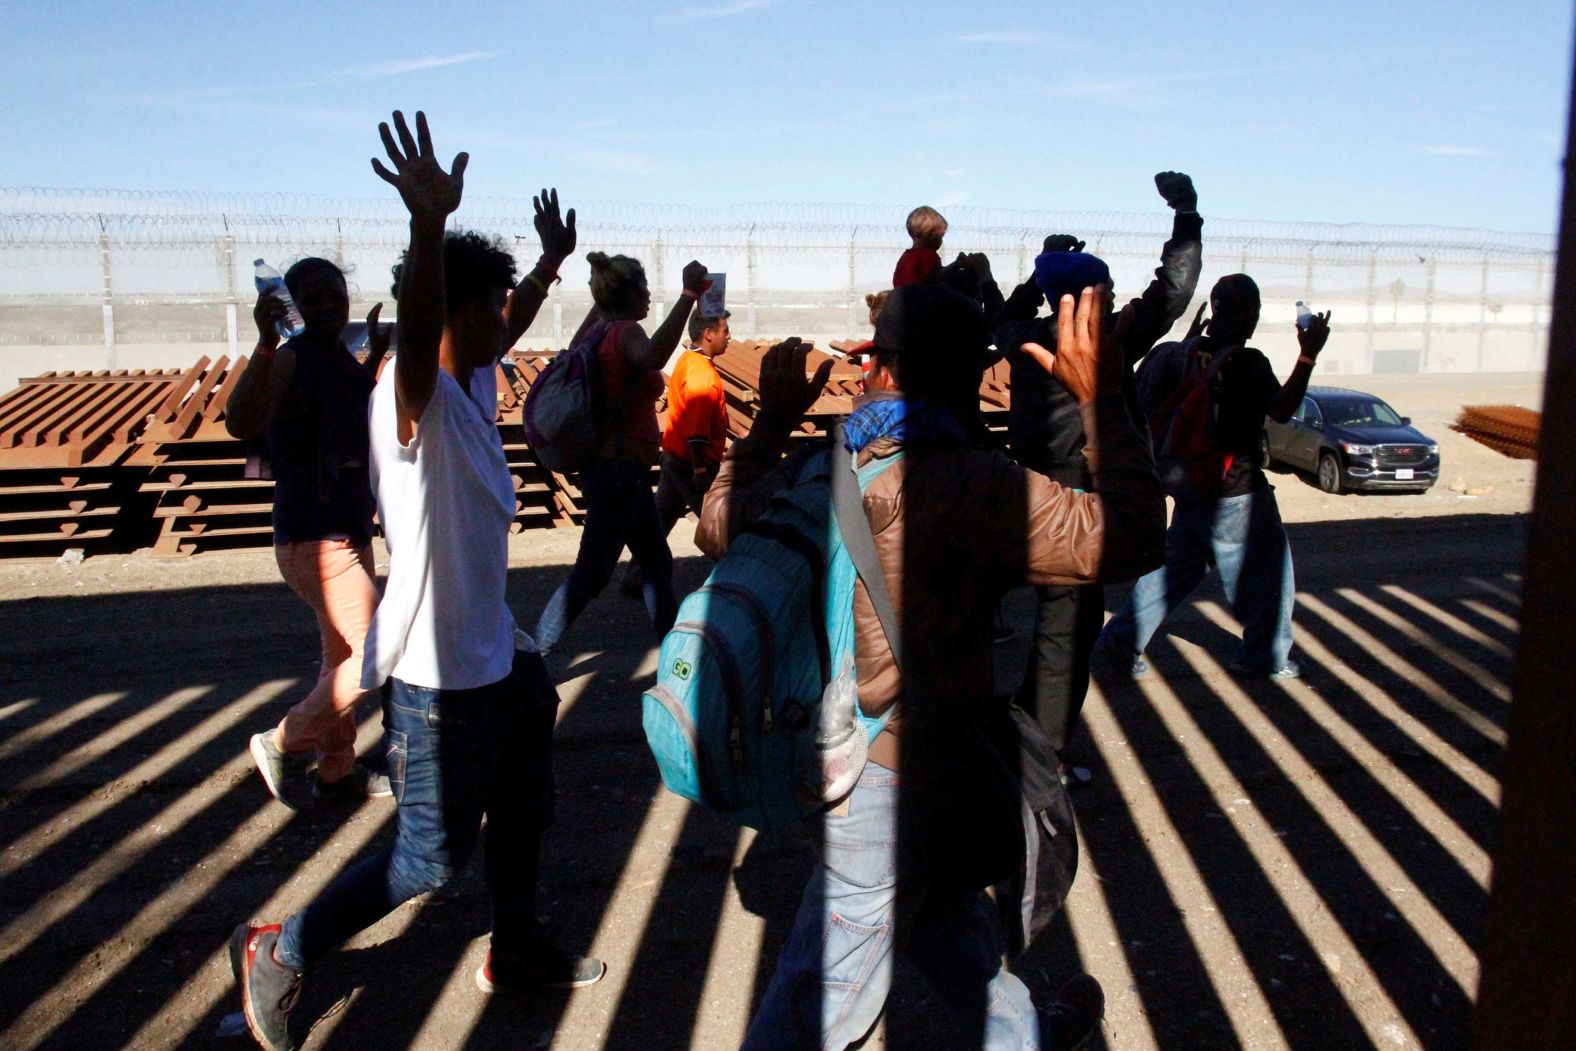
pixel 736 718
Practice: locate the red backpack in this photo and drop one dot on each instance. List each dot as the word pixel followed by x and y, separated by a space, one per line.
pixel 1188 455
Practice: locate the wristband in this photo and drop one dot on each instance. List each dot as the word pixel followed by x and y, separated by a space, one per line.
pixel 540 287
pixel 263 352
pixel 690 294
pixel 1303 359
pixel 551 273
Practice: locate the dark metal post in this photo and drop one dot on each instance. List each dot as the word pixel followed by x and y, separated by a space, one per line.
pixel 1527 995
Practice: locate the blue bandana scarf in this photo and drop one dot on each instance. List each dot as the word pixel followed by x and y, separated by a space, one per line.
pixel 900 419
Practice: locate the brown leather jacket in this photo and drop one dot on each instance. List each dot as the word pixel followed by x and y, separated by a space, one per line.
pixel 955 528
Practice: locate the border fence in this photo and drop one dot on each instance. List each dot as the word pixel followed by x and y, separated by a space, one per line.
pixel 105 279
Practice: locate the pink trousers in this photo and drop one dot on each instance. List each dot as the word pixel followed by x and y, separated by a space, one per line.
pixel 336 579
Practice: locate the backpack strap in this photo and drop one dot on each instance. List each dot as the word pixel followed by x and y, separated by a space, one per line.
pixel 854 527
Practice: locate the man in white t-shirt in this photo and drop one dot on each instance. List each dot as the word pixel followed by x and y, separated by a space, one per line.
pixel 468 706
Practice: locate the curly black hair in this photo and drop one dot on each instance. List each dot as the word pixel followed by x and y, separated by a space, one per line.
pixel 474 266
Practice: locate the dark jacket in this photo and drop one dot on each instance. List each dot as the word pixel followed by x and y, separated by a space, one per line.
pixel 1044 428
pixel 955 528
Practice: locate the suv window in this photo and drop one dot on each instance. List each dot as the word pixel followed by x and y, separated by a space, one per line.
pixel 1309 411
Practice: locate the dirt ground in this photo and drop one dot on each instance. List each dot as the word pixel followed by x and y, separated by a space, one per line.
pixel 1264 865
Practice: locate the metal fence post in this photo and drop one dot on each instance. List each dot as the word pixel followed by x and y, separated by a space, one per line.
pixel 1307 280
pixel 1428 313
pixel 1373 299
pixel 1537 309
pixel 1482 314
pixel 558 321
pixel 851 293
pixel 227 285
pixel 749 282
pixel 656 267
pixel 109 296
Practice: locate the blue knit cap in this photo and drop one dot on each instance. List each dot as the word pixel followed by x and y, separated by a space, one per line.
pixel 1068 273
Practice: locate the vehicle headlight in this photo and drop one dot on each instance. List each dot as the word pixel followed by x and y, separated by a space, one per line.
pixel 1433 450
pixel 1353 449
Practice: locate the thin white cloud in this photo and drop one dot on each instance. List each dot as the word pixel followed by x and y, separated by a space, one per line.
pixel 411 65
pixel 1012 37
pixel 737 7
pixel 1451 151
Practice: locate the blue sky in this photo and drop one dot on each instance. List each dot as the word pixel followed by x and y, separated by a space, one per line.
pixel 1447 113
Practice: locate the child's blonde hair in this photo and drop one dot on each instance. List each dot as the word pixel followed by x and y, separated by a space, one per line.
pixel 875 301
pixel 927 226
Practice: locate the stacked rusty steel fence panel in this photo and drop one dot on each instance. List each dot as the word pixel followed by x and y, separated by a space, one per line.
pixel 195 472
pixel 1508 429
pixel 114 461
pixel 64 438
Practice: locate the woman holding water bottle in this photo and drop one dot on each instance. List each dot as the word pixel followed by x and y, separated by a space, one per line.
pixel 307 396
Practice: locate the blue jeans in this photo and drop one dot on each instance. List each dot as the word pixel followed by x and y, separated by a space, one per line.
pixel 620 512
pixel 1244 538
pixel 835 971
pixel 453 757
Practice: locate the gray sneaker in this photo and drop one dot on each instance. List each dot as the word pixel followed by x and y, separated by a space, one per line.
pixel 285 775
pixel 361 783
pixel 1289 670
pixel 269 989
pixel 1119 659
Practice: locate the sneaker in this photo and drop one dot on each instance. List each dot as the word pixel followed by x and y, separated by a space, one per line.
pixel 1074 1016
pixel 269 989
pixel 284 774
pixel 1290 670
pixel 548 968
pixel 1120 659
pixel 361 783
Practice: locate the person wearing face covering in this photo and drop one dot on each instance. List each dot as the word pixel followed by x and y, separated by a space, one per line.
pixel 1046 435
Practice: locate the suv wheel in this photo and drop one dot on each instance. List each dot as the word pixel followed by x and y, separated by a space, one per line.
pixel 1329 473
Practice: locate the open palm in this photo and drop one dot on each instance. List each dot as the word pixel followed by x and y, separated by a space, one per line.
pixel 427 190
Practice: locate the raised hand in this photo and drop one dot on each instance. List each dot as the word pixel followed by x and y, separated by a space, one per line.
pixel 786 394
pixel 695 277
pixel 378 338
pixel 1088 360
pixel 977 262
pixel 1196 329
pixel 1063 243
pixel 556 232
pixel 1311 340
pixel 428 191
pixel 269 311
pixel 1177 189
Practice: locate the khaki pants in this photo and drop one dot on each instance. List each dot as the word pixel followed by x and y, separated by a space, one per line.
pixel 335 578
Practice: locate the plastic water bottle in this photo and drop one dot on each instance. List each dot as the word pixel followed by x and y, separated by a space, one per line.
pixel 271 282
pixel 1304 315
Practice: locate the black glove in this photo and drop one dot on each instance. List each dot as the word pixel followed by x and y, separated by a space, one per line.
pixel 1177 189
pixel 1063 243
pixel 1024 302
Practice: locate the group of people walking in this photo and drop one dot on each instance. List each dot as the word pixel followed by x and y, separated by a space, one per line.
pixel 469 704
